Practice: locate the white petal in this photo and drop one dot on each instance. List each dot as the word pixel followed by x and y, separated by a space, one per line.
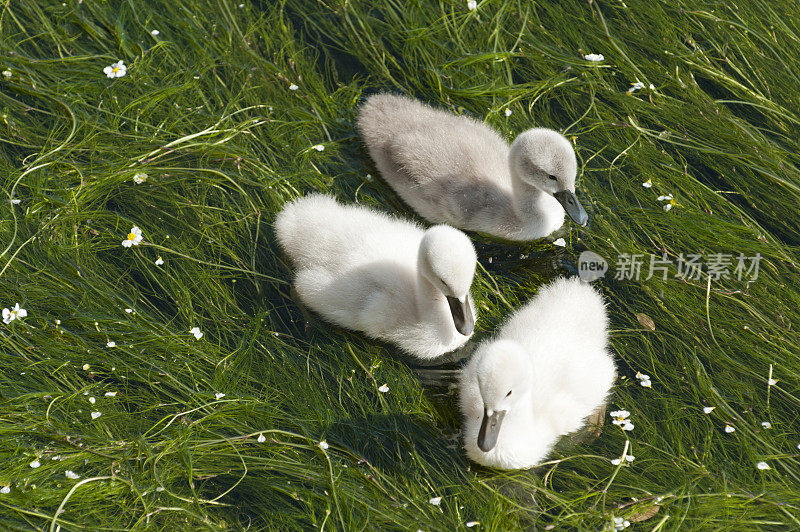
pixel 616 461
pixel 112 344
pixel 594 57
pixel 5 489
pixel 155 32
pixel 647 184
pixel 770 382
pixel 667 207
pixel 508 112
pixel 293 87
pixel 261 438
pixel 35 464
pixel 560 242
pixel 384 388
pixel 646 383
pixel 763 466
pixel 628 426
pixel 729 429
pixel 766 424
pixel 471 524
pixel 319 147
pixel 92 400
pixel 323 445
pixel 71 474
pixel 708 409
pixel 435 501
pixel 219 395
pixel 110 394
pixel 630 458
pixel 159 261
pixel 96 415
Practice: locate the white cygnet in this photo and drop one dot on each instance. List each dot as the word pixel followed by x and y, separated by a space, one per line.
pixel 364 270
pixel 546 371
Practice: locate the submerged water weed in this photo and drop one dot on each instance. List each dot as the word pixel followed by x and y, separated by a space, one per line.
pixel 220 109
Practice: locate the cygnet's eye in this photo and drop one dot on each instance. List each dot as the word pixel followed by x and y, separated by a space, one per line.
pixel 554 178
pixel 509 392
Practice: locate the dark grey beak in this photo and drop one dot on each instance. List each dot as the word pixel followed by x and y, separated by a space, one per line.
pixel 462 315
pixel 490 429
pixel 570 202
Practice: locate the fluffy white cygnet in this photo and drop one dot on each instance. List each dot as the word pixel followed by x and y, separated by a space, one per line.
pixel 543 374
pixel 364 270
pixel 455 170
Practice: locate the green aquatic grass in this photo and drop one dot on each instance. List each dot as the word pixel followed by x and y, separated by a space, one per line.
pixel 207 112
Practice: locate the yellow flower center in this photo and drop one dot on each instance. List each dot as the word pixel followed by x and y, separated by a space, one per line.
pixel 115 70
pixel 131 236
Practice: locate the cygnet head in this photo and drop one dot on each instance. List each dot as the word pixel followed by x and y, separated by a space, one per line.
pixel 544 159
pixel 447 260
pixel 504 377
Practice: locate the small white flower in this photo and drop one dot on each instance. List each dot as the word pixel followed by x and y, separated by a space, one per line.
pixel 471 524
pixel 12 314
pixel 154 33
pixel 112 343
pixel 384 388
pixel 128 310
pixel 648 183
pixel 471 5
pixel 646 383
pixel 86 367
pixel 594 57
pixel 630 458
pixel 435 501
pixel 323 445
pixel 560 242
pixel 139 178
pixel 642 377
pixel 620 417
pixel 36 463
pixel 116 70
pixel 92 400
pixel 5 489
pixel 196 332
pixel 508 111
pixel 772 382
pixel 133 238
pixel 636 87
pixel 16 201
pixel 708 409
pixel 159 261
pixel 621 523
pixel 763 466
pixel 729 429
pixel 616 461
pixel 766 424
pixel 219 395
pixel 110 394
pixel 72 475
pixel 670 202
pixel 293 87
pixel 261 438
pixel 7 74
pixel 96 415
pixel 319 147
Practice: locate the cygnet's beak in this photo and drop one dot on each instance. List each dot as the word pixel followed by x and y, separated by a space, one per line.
pixel 490 429
pixel 570 202
pixel 462 314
